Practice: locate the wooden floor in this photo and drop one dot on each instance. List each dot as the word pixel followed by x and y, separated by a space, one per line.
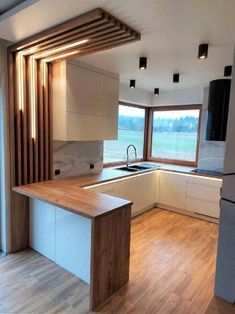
pixel 172 271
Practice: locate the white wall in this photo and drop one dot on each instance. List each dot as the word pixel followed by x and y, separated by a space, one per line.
pixel 178 97
pixel 166 98
pixel 135 95
pixel 4 154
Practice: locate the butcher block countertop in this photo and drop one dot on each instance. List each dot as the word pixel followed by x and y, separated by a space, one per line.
pixel 70 193
pixel 72 198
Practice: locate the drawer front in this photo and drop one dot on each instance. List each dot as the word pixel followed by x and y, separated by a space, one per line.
pixel 213 182
pixel 203 207
pixel 203 192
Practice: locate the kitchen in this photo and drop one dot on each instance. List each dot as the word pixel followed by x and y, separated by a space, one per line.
pixel 76 179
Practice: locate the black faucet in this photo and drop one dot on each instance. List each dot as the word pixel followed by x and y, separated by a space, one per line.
pixel 128 162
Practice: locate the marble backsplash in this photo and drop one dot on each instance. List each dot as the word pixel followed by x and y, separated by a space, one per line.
pixel 211 155
pixel 74 158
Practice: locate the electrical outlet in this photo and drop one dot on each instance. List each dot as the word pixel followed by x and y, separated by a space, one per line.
pixel 57 172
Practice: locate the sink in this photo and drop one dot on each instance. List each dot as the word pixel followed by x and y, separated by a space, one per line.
pixel 130 169
pixel 138 167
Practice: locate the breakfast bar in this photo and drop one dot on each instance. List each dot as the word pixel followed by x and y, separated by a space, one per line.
pixel 85 232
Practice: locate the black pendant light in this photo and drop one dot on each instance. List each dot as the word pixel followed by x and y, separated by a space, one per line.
pixel 228 70
pixel 176 78
pixel 202 51
pixel 143 63
pixel 132 83
pixel 156 91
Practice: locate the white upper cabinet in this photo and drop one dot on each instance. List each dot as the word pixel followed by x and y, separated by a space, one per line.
pixel 85 103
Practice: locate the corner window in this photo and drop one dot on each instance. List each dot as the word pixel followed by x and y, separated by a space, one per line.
pixel 175 134
pixel 131 130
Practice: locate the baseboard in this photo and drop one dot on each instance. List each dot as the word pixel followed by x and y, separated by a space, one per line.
pixel 141 211
pixel 188 213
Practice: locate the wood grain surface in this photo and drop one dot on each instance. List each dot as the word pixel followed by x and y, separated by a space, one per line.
pixel 74 199
pixel 171 271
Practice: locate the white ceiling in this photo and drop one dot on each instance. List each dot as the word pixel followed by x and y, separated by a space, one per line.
pixel 171 32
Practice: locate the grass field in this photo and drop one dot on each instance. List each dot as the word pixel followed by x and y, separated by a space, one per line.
pixel 178 145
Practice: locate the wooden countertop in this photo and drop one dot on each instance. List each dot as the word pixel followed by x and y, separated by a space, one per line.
pixel 69 194
pixel 75 199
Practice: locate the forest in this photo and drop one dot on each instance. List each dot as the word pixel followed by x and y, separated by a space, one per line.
pixel 183 124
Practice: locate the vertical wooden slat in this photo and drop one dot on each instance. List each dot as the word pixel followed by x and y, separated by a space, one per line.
pixel 35 141
pixel 18 121
pixel 50 121
pixel 12 117
pixel 46 122
pixel 24 127
pixel 40 121
pixel 29 136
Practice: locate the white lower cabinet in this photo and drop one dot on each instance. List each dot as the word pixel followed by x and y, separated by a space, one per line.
pixel 172 187
pixel 141 189
pixel 195 194
pixel 203 195
pixel 73 236
pixel 172 190
pixel 42 228
pixel 61 236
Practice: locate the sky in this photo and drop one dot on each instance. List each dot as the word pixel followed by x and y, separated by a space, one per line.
pixel 138 112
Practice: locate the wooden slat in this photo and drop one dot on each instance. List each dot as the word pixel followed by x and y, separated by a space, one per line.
pixel 99 48
pixel 36 141
pixel 46 124
pixel 81 33
pixel 24 127
pixel 86 18
pixel 18 124
pixel 12 115
pixel 40 121
pixel 50 120
pixel 19 222
pixel 107 31
pixel 29 137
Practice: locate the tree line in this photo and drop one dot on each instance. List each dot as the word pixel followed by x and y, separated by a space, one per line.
pixel 183 124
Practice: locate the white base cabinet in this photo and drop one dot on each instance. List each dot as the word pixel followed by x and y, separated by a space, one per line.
pixel 172 187
pixel 195 194
pixel 140 189
pixel 61 236
pixel 171 190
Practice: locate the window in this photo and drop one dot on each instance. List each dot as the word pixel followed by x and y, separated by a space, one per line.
pixel 131 126
pixel 175 134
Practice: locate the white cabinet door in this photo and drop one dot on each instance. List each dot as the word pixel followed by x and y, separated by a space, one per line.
pixel 42 228
pixel 81 87
pixel 172 189
pixel 85 103
pixel 110 188
pixel 107 91
pixel 140 189
pixel 203 207
pixel 73 243
pixel 203 195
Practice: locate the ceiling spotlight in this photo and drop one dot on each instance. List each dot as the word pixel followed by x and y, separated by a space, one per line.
pixel 156 91
pixel 202 51
pixel 176 78
pixel 228 70
pixel 143 63
pixel 132 83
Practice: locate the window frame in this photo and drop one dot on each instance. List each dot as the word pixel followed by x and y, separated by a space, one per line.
pixel 150 134
pixel 127 104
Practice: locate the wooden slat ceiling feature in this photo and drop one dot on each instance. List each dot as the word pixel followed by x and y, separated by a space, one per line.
pixel 30 98
pixel 29 64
